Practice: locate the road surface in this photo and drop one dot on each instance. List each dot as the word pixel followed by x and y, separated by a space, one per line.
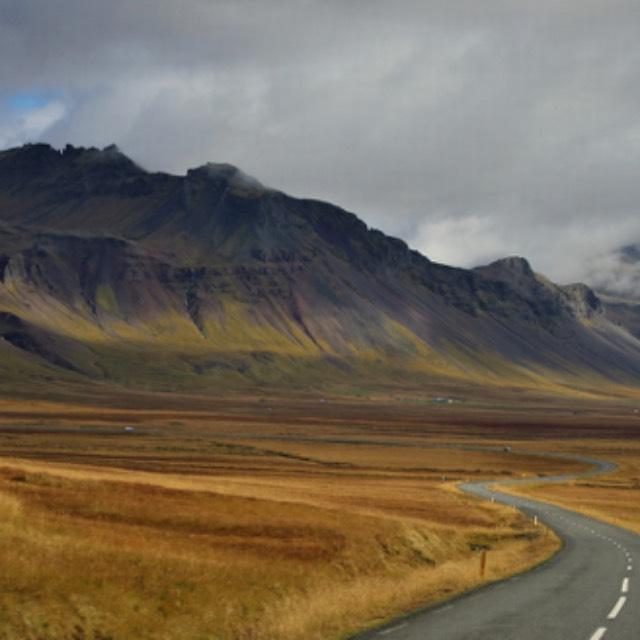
pixel 588 591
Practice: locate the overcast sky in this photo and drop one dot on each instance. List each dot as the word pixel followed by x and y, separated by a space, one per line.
pixel 473 129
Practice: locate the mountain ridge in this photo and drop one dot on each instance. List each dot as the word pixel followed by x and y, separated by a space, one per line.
pixel 216 280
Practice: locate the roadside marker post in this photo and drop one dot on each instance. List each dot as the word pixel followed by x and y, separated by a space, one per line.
pixel 483 563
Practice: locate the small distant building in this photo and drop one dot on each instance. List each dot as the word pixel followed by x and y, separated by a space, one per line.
pixel 442 400
pixel 129 429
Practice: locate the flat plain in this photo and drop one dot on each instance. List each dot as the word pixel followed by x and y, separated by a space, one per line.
pixel 280 518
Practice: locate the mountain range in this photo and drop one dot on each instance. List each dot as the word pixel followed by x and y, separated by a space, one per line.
pixel 210 281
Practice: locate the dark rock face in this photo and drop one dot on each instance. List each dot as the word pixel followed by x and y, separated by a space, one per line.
pixel 4 261
pixel 94 250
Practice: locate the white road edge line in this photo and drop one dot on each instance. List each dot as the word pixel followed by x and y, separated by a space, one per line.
pixel 617 608
pixel 392 629
pixel 441 609
pixel 625 586
pixel 599 633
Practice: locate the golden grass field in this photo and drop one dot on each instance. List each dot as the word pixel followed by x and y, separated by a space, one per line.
pixel 263 519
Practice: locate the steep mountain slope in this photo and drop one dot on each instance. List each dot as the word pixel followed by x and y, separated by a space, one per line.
pixel 211 280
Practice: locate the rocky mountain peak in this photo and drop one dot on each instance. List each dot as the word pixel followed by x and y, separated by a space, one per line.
pixel 511 265
pixel 233 177
pixel 34 166
pixel 513 270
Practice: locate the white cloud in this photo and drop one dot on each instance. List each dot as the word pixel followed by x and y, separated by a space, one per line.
pixel 30 125
pixel 461 241
pixel 576 251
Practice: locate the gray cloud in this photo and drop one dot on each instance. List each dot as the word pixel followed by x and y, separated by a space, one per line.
pixel 473 130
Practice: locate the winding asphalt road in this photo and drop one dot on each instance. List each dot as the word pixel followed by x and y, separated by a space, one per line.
pixel 588 591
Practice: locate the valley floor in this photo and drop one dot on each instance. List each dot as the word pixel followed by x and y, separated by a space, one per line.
pixel 259 518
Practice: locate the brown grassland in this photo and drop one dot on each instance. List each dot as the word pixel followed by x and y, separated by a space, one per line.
pixel 256 518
